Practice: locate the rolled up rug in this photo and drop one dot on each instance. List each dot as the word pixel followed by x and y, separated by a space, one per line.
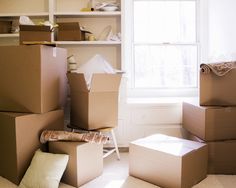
pixel 219 69
pixel 92 137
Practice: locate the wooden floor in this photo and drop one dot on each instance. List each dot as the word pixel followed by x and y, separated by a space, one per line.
pixel 115 175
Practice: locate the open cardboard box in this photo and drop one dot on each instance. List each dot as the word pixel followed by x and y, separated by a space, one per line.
pixel 35 33
pixel 70 31
pixel 95 108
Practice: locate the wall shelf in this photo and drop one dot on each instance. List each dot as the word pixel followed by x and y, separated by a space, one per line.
pixel 38 14
pixel 89 42
pixel 9 35
pixel 86 14
pixel 99 23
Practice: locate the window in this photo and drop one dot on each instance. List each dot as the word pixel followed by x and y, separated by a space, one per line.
pixel 165 45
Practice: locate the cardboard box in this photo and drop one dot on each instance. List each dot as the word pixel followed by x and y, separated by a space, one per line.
pixel 19 139
pixel 85 161
pixel 5 26
pixel 218 90
pixel 168 161
pixel 95 108
pixel 221 156
pixel 32 78
pixel 210 123
pixel 35 33
pixel 70 31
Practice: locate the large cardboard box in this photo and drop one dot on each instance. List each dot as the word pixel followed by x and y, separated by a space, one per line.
pixel 221 156
pixel 218 90
pixel 210 123
pixel 5 26
pixel 95 108
pixel 168 161
pixel 70 31
pixel 32 78
pixel 85 161
pixel 35 33
pixel 19 139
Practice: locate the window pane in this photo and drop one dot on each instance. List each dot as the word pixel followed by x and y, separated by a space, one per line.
pixel 165 21
pixel 165 66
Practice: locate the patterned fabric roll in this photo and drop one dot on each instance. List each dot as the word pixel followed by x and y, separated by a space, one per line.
pixel 219 69
pixel 92 137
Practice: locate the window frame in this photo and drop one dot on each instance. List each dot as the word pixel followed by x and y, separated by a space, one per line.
pixel 201 30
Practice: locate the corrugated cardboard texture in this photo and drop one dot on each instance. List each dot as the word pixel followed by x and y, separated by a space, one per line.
pixel 221 156
pixel 35 33
pixel 70 31
pixel 32 78
pixel 85 161
pixel 210 123
pixel 181 165
pixel 5 26
pixel 218 90
pixel 97 108
pixel 19 139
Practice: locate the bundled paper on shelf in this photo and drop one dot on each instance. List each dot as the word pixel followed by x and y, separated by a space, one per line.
pixel 107 6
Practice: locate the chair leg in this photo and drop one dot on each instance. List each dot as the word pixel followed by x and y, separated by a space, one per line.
pixel 115 144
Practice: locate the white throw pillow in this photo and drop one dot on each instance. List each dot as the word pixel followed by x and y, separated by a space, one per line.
pixel 45 170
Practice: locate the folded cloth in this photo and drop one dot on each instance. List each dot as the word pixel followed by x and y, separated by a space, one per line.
pixel 92 137
pixel 219 69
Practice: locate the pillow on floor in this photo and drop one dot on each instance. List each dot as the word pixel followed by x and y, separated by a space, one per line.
pixel 45 170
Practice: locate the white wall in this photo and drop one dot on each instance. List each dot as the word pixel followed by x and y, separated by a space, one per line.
pixel 218 33
pixel 222 30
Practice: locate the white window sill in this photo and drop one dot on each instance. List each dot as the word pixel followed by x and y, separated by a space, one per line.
pixel 160 101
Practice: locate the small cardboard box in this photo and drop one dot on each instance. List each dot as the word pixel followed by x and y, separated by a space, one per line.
pixel 85 161
pixel 70 31
pixel 5 26
pixel 221 156
pixel 95 108
pixel 32 78
pixel 35 33
pixel 19 139
pixel 218 90
pixel 168 161
pixel 210 123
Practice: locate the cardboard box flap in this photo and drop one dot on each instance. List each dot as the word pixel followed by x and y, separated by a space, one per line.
pixel 35 28
pixel 69 26
pixel 77 82
pixel 168 144
pixel 105 82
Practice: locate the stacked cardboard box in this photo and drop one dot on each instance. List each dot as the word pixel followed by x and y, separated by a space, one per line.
pixel 85 161
pixel 213 121
pixel 32 82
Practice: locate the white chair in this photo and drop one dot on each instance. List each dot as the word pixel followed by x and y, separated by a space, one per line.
pixel 109 130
